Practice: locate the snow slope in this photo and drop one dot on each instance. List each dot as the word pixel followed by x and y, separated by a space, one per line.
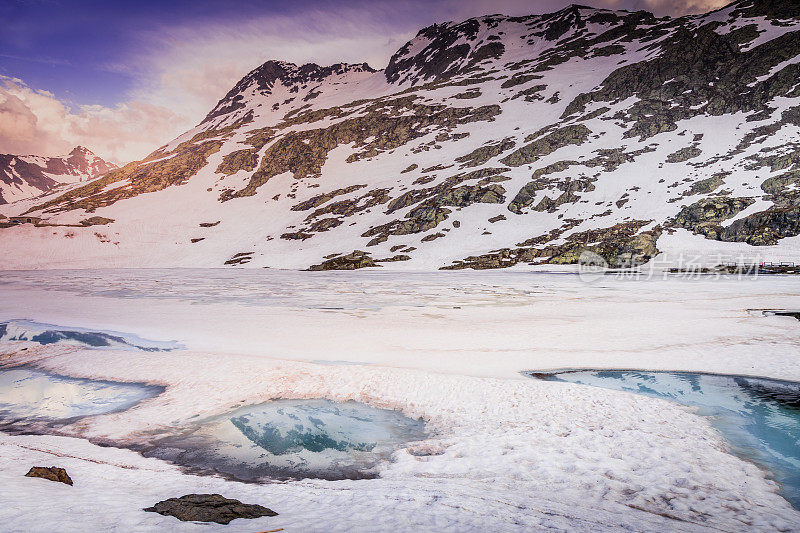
pixel 495 142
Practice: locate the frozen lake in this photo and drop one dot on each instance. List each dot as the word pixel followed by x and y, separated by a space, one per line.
pixel 261 369
pixel 518 320
pixel 759 417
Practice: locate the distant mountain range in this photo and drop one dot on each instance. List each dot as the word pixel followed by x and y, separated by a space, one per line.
pixel 490 143
pixel 25 176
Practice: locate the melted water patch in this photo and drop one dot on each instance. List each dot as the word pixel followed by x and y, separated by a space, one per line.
pixel 291 439
pixel 27 330
pixel 759 417
pixel 30 398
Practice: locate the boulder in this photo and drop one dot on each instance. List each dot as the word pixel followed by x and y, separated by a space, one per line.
pixel 52 473
pixel 208 508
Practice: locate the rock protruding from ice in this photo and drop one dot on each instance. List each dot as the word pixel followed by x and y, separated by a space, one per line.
pixel 208 508
pixel 53 473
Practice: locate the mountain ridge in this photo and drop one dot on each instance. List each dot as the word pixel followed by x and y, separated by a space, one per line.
pixel 493 142
pixel 24 176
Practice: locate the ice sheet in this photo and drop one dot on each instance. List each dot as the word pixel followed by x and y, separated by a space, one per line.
pixel 505 453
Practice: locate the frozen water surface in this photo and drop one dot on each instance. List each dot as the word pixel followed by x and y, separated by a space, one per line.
pixel 505 453
pixel 28 395
pixel 759 417
pixel 293 439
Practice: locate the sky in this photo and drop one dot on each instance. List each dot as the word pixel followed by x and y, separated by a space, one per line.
pixel 123 77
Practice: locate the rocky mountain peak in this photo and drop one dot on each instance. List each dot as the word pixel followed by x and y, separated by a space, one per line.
pixel 81 150
pixel 25 176
pixel 262 80
pixel 441 51
pixel 771 9
pixel 560 22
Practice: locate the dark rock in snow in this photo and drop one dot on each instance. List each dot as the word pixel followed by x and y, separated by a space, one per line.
pixel 52 473
pixel 208 508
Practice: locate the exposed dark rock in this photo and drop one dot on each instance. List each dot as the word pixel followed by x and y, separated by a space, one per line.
pixel 526 196
pixel 384 125
pixel 467 95
pixel 208 508
pixel 482 154
pixel 765 227
pixel 352 261
pixel 400 257
pixel 622 245
pixel 783 190
pixel 684 154
pixel 320 199
pixel 240 259
pixel 547 144
pixel 428 214
pixel 699 71
pixel 519 79
pixel 265 76
pixel 709 184
pixel 705 216
pixel 440 59
pixel 52 473
pixel 96 221
pixel 239 160
pixel 432 236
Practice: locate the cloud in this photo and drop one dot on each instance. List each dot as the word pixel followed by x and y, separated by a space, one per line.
pixel 36 122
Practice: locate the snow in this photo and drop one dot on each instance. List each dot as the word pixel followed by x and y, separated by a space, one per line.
pixel 504 453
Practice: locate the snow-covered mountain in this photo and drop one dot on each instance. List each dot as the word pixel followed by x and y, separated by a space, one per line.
pixel 26 176
pixel 494 142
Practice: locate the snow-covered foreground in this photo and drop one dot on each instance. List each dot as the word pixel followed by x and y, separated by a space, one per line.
pixel 506 453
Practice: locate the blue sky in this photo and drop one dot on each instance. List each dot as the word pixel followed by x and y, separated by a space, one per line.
pixel 123 76
pixel 80 50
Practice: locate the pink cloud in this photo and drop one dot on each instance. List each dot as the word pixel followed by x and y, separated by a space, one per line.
pixel 35 122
